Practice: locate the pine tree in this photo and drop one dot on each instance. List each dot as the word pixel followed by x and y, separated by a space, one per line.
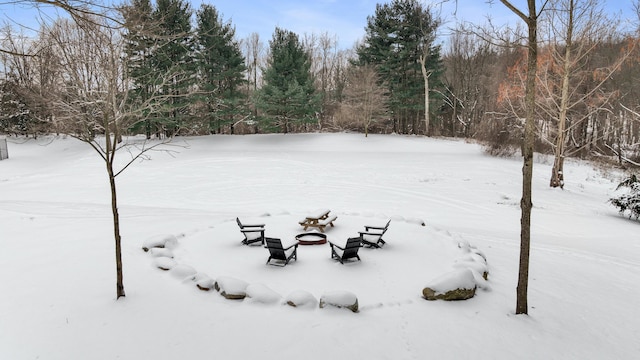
pixel 396 37
pixel 288 96
pixel 173 58
pixel 221 68
pixel 631 201
pixel 139 40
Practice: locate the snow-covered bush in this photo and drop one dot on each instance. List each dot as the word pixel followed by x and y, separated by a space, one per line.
pixel 629 202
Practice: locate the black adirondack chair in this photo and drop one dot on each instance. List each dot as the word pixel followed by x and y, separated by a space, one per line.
pixel 349 251
pixel 372 236
pixel 252 233
pixel 279 253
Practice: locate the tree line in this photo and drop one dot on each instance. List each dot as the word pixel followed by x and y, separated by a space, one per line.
pixel 186 73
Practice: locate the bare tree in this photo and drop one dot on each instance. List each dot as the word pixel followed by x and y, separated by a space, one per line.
pixel 428 36
pixel 364 98
pixel 254 54
pixel 475 70
pixel 87 97
pixel 530 18
pixel 569 94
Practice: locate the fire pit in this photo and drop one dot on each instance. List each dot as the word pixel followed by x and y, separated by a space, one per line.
pixel 312 238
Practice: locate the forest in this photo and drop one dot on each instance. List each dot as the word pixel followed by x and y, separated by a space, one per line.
pixel 164 69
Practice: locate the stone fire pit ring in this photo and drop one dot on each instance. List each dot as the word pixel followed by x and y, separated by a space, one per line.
pixel 311 238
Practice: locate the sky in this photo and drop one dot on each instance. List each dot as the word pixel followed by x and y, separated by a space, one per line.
pixel 348 19
pixel 344 19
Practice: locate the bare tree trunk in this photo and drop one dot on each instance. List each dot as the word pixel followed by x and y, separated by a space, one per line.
pixel 116 231
pixel 425 76
pixel 109 158
pixel 557 172
pixel 527 152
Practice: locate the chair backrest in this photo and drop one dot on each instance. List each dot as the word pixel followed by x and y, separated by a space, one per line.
pixel 351 248
pixel 275 249
pixel 386 226
pixel 384 229
pixel 239 223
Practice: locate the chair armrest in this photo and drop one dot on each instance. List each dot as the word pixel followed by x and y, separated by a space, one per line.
pixel 292 245
pixel 367 228
pixel 252 230
pixel 252 225
pixel 332 245
pixel 370 233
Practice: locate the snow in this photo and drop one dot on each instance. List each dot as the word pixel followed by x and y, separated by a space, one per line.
pixel 456 279
pixel 231 286
pixel 164 263
pixel 301 298
pixel 261 293
pixel 339 298
pixel 58 268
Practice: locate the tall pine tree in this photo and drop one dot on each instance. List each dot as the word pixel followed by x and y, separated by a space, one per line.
pixel 221 69
pixel 396 36
pixel 288 96
pixel 173 57
pixel 139 39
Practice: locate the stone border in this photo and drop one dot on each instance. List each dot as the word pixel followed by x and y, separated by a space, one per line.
pixel 471 272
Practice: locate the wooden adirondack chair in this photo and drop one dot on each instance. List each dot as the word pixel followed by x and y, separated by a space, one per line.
pixel 372 236
pixel 277 252
pixel 349 251
pixel 252 233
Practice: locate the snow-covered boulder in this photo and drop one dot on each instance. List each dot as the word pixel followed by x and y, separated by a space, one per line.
pixel 183 272
pixel 203 281
pixel 231 288
pixel 340 299
pixel 164 263
pixel 262 294
pixel 473 259
pixel 157 252
pixel 459 284
pixel 474 262
pixel 160 241
pixel 301 298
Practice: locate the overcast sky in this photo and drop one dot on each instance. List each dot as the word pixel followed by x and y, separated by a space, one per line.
pixel 344 18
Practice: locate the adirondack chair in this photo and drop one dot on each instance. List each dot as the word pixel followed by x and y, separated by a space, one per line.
pixel 349 251
pixel 252 233
pixel 372 236
pixel 277 252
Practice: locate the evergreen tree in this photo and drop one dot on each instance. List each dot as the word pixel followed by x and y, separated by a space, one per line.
pixel 173 58
pixel 631 201
pixel 139 39
pixel 396 36
pixel 288 96
pixel 221 68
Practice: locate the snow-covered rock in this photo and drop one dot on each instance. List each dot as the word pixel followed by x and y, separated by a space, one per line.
pixel 301 298
pixel 340 299
pixel 474 262
pixel 160 241
pixel 262 294
pixel 183 272
pixel 231 288
pixel 157 252
pixel 203 281
pixel 459 284
pixel 164 263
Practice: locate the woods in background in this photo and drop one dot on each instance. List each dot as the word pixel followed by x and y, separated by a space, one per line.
pixel 186 73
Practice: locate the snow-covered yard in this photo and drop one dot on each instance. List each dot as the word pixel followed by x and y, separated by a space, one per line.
pixel 58 271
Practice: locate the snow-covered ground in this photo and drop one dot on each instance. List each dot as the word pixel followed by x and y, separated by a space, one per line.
pixel 57 266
